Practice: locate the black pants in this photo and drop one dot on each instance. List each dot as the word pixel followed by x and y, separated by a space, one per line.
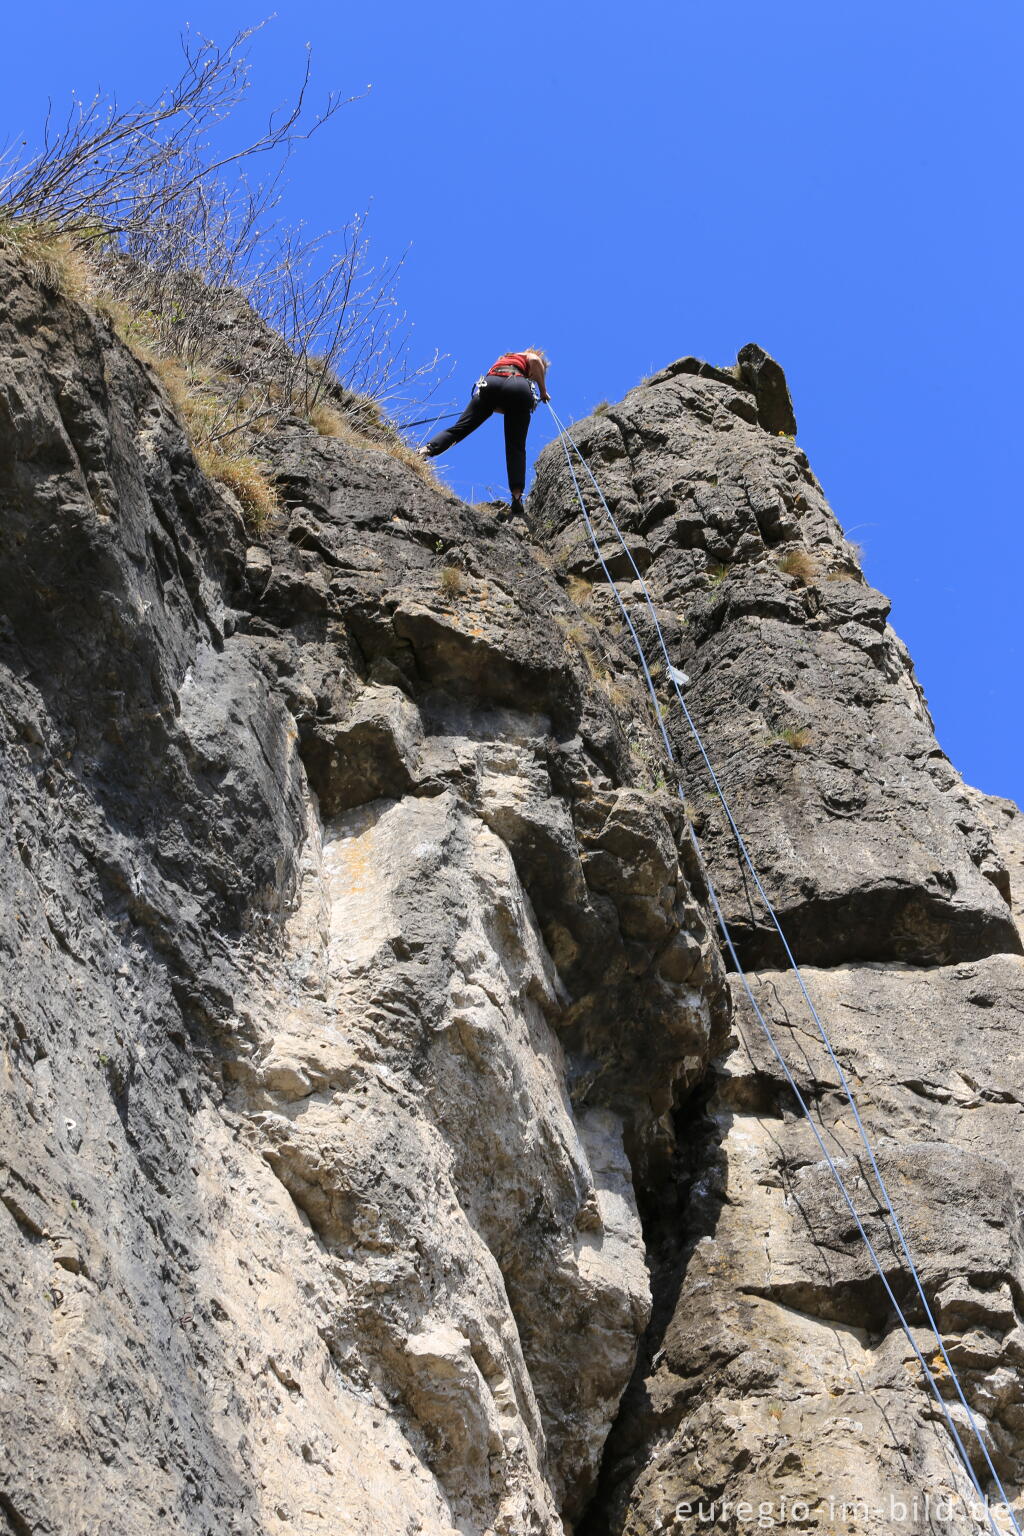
pixel 513 398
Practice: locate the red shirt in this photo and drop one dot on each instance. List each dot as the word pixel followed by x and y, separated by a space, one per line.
pixel 517 360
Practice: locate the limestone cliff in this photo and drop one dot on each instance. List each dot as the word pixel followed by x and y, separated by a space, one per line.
pixel 775 1372
pixel 382 1149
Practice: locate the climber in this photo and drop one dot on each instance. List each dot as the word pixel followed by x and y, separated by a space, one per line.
pixel 511 386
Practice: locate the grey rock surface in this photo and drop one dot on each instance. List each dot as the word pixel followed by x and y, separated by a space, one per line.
pixel 775 1384
pixel 383 1147
pixel 318 1172
pixel 867 841
pixel 782 1374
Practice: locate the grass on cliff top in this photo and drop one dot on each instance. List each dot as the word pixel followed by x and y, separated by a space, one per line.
pixel 57 258
pixel 248 479
pixel 52 255
pixel 368 431
pixel 213 426
pixel 225 415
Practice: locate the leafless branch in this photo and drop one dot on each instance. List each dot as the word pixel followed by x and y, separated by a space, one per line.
pixel 180 235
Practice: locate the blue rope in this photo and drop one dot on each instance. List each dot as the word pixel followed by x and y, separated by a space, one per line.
pixel 567 442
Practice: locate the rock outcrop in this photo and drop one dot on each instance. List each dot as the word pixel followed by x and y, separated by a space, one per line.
pixel 776 1385
pixel 384 1147
pixel 352 976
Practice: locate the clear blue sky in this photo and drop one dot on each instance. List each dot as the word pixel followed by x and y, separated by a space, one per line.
pixel 624 184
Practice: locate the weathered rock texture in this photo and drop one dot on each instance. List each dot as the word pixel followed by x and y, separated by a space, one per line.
pixel 351 976
pixel 369 1104
pixel 774 1373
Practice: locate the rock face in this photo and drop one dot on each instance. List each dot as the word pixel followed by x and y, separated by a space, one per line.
pixel 775 1385
pixel 383 1147
pixel 866 839
pixel 351 978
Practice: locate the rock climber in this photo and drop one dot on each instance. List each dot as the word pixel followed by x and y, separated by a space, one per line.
pixel 511 386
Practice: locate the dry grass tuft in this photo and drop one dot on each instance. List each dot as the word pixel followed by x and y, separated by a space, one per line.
pixel 247 478
pixel 368 431
pixel 582 639
pixel 575 634
pixel 405 455
pixel 800 564
pixel 795 736
pixel 579 592
pixel 451 581
pixel 53 255
pixel 329 422
pixel 601 408
pixel 594 663
pixel 619 698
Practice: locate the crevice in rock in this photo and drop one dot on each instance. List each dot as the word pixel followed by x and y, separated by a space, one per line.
pixel 675 1214
pixel 17 1523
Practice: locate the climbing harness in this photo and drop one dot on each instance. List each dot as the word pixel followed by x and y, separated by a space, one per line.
pixel 679 681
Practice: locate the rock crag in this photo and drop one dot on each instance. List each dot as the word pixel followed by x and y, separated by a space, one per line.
pixel 351 975
pixel 384 1147
pixel 775 1376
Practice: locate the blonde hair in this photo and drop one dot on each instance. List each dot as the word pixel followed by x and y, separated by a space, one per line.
pixel 541 356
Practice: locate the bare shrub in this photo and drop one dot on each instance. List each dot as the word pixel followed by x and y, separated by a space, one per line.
pixel 111 171
pixel 193 260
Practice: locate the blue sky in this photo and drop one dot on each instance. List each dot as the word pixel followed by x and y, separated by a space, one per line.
pixel 624 184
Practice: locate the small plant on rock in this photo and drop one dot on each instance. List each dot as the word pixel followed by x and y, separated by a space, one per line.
pixel 247 478
pixel 717 574
pixel 618 697
pixel 799 563
pixel 794 736
pixel 576 634
pixel 452 581
pixel 850 562
pixel 579 592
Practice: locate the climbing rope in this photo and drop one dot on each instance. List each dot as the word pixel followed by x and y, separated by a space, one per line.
pixel 677 680
pixel 426 420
